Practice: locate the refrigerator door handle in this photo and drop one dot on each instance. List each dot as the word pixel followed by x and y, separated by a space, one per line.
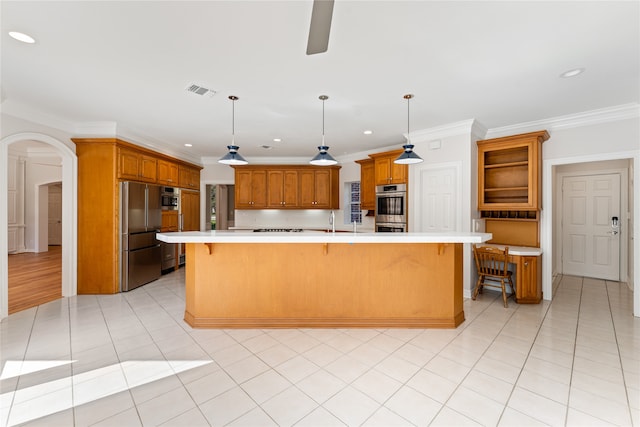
pixel 146 208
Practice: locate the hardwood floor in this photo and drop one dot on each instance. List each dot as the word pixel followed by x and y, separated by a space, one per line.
pixel 34 278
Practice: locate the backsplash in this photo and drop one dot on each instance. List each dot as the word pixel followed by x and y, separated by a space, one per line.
pixel 305 218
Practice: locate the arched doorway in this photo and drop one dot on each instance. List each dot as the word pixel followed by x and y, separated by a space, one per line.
pixel 69 211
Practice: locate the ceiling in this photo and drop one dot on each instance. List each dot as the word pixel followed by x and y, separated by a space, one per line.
pixel 128 64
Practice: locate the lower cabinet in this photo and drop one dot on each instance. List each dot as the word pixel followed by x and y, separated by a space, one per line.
pixel 529 280
pixel 169 221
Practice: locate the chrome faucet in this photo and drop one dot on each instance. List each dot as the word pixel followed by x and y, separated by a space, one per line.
pixel 355 226
pixel 332 221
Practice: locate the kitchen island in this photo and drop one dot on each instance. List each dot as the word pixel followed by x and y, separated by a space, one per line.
pixel 316 279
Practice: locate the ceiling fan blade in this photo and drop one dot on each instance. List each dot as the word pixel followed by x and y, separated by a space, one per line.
pixel 320 26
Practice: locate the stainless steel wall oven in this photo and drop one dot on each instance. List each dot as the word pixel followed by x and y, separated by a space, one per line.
pixel 391 204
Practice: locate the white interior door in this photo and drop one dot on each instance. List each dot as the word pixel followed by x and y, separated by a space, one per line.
pixel 55 214
pixel 590 239
pixel 438 200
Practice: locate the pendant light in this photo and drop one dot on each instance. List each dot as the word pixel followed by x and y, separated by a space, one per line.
pixel 409 156
pixel 233 157
pixel 323 158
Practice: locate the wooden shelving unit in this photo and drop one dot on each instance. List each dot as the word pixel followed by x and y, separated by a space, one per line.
pixel 509 200
pixel 509 172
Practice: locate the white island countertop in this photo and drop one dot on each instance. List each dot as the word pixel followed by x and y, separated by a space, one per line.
pixel 319 237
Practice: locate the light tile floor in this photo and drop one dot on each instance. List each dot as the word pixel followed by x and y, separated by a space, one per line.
pixel 130 360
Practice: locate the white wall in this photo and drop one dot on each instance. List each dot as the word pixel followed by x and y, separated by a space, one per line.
pixel 574 169
pixel 618 139
pixel 39 171
pixel 451 146
pixel 15 203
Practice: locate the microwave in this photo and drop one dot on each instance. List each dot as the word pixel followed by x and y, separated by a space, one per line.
pixel 169 198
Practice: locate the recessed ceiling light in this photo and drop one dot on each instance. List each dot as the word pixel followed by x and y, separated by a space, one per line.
pixel 188 145
pixel 572 73
pixel 25 38
pixel 277 140
pixel 368 132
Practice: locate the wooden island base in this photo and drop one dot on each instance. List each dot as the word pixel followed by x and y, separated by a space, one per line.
pixel 324 285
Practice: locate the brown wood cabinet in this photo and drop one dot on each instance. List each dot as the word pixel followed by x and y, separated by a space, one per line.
pixel 315 189
pixel 510 172
pixel 388 172
pixel 287 187
pixel 102 164
pixel 367 184
pixel 169 221
pixel 190 210
pixel 283 189
pixel 251 188
pixel 188 177
pixel 168 173
pixel 135 166
pixel 509 199
pixel 529 280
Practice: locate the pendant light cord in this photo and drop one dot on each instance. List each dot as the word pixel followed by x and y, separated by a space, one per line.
pixel 323 98
pixel 233 99
pixel 408 98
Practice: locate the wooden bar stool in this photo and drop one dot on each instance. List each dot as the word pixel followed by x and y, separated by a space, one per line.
pixel 492 264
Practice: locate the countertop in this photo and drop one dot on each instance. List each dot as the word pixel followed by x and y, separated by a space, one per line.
pixel 519 250
pixel 320 237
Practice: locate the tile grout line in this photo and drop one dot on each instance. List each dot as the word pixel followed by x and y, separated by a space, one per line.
pixel 24 355
pixel 615 335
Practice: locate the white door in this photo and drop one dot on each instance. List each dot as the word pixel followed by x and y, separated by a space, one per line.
pixel 590 239
pixel 55 214
pixel 438 200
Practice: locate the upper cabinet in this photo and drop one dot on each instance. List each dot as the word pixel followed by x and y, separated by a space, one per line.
pixel 510 172
pixel 251 188
pixel 287 187
pixel 139 164
pixel 316 190
pixel 167 173
pixel 136 166
pixel 283 189
pixel 388 172
pixel 367 184
pixel 380 169
pixel 188 177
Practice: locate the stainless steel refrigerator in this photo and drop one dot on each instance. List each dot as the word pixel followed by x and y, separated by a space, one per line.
pixel 140 220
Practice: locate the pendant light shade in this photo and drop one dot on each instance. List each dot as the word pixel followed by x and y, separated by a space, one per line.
pixel 408 156
pixel 323 158
pixel 233 157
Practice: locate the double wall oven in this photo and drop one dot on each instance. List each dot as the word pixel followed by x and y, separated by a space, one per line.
pixel 391 208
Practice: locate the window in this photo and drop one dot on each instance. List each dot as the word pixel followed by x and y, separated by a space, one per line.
pixel 352 211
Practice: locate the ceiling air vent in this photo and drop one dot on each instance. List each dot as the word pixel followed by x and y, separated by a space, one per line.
pixel 199 90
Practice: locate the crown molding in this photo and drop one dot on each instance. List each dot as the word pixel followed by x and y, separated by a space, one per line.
pixel 27 113
pixel 93 129
pixel 465 127
pixel 586 118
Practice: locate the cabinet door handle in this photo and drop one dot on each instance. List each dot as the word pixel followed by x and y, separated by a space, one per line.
pixel 526 264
